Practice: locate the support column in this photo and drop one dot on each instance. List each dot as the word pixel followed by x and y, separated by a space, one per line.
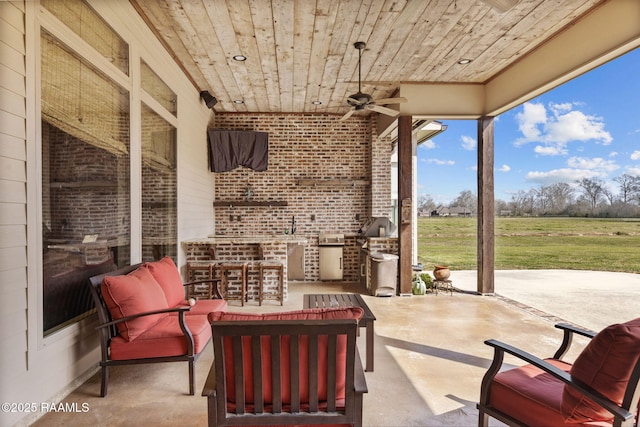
pixel 405 198
pixel 486 211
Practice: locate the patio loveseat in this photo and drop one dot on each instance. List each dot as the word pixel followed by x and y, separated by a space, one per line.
pixel 145 318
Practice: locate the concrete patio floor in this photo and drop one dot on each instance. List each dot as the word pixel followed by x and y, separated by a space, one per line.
pixel 429 350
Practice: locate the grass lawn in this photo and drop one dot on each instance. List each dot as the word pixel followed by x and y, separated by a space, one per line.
pixel 534 243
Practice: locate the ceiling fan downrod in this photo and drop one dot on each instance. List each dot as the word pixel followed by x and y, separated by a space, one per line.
pixel 359 46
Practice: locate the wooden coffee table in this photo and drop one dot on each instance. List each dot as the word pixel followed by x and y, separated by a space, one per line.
pixel 347 300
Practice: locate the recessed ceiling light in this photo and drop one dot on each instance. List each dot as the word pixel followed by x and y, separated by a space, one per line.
pixel 239 57
pixel 316 102
pixel 238 101
pixel 464 61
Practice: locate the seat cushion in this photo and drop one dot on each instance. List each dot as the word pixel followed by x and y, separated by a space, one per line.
pixel 203 307
pixel 307 314
pixel 529 394
pixel 133 293
pixel 605 365
pixel 167 275
pixel 165 338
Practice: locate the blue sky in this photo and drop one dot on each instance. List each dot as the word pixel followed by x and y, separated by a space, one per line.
pixel 587 128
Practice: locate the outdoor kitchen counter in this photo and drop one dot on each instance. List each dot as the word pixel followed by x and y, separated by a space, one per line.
pixel 248 239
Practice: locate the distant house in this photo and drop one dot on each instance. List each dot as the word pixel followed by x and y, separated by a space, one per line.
pixel 460 211
pixel 451 211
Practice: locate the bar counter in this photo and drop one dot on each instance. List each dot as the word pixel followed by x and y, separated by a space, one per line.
pixel 248 239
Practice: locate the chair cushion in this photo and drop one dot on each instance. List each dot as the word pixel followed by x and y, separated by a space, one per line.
pixel 165 338
pixel 307 314
pixel 605 365
pixel 529 394
pixel 203 307
pixel 167 275
pixel 134 293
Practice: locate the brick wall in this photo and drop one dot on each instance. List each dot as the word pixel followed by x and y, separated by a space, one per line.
pixel 310 147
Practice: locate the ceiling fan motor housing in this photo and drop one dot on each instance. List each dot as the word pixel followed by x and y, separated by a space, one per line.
pixel 362 98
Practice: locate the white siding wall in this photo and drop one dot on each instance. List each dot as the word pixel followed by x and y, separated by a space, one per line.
pixel 33 368
pixel 13 200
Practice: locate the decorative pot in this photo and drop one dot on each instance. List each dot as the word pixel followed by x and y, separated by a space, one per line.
pixel 441 272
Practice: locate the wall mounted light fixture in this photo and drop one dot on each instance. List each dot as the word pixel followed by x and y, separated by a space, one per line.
pixel 208 99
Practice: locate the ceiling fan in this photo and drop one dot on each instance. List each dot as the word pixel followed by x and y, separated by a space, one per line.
pixel 363 101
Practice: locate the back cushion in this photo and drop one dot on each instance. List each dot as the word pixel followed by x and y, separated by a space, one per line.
pixel 166 274
pixel 605 365
pixel 308 314
pixel 134 293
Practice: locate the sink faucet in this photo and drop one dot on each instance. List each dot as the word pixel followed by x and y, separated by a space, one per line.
pixel 293 224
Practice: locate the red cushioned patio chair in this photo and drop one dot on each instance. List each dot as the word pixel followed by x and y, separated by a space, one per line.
pixel 286 369
pixel 600 388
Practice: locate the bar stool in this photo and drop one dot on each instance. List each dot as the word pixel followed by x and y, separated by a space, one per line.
pixel 240 267
pixel 208 266
pixel 278 268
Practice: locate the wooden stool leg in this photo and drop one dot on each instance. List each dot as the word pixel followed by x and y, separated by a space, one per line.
pixel 281 271
pixel 260 284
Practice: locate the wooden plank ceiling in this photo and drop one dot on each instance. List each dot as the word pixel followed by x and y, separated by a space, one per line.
pixel 301 51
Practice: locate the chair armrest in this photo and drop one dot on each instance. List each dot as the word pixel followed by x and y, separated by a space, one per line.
pixel 359 381
pixel 215 286
pixel 500 348
pixel 176 309
pixel 567 339
pixel 209 389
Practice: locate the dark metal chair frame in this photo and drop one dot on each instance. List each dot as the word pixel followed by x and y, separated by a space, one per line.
pixel 107 329
pixel 623 415
pixel 277 413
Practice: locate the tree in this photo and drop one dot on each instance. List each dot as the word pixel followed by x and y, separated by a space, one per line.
pixel 592 190
pixel 466 199
pixel 522 202
pixel 628 186
pixel 425 202
pixel 561 196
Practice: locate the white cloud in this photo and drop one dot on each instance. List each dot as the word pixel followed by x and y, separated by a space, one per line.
pixel 550 150
pixel 441 162
pixel 504 168
pixel 428 144
pixel 468 143
pixel 558 127
pixel 633 171
pixel 613 154
pixel 635 155
pixel 560 175
pixel 596 163
pixel 531 116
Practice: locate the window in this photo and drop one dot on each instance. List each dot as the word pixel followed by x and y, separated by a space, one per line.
pixel 83 21
pixel 86 212
pixel 159 187
pixel 154 86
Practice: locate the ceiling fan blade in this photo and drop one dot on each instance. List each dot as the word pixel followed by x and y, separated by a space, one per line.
pixel 354 101
pixel 398 100
pixel 349 113
pixel 383 110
